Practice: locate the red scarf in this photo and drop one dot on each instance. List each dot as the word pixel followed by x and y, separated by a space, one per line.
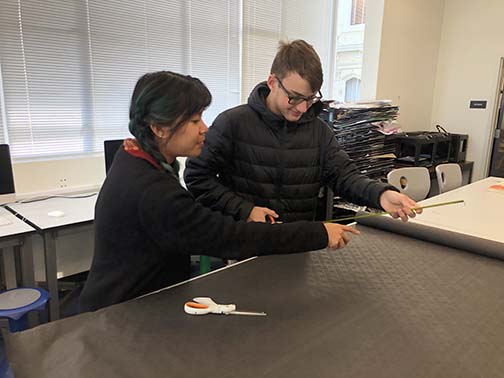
pixel 132 147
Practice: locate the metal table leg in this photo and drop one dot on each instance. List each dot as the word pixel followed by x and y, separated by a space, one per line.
pixel 27 264
pixel 51 273
pixel 9 267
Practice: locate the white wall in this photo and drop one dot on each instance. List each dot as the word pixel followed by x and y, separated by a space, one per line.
pixel 408 58
pixel 468 67
pixel 82 173
pixel 372 48
pixel 435 56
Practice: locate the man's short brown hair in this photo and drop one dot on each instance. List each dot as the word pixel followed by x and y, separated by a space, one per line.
pixel 300 57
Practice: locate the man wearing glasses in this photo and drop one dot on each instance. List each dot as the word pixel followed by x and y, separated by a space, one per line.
pixel 269 158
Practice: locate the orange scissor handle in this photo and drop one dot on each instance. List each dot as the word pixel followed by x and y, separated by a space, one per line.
pixel 196 305
pixel 195 308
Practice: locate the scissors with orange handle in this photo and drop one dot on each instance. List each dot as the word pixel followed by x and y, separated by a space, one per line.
pixel 205 305
pixel 272 220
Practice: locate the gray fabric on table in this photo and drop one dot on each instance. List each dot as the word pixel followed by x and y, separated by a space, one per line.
pixel 384 306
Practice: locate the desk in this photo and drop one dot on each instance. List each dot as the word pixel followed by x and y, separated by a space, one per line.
pixel 15 245
pixel 78 212
pixel 481 216
pixel 327 208
pixel 384 306
pixel 475 226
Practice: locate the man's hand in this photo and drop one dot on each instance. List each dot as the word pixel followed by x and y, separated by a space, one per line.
pixel 399 205
pixel 338 234
pixel 258 214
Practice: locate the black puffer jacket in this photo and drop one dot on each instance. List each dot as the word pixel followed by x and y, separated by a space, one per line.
pixel 253 157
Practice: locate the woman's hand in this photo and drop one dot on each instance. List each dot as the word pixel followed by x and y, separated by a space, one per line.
pixel 259 214
pixel 339 234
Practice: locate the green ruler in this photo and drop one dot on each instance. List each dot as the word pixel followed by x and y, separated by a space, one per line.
pixel 389 213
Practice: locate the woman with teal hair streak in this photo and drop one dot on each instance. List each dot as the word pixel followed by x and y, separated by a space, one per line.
pixel 147 225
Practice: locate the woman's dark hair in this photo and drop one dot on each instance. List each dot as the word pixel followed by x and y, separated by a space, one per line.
pixel 163 98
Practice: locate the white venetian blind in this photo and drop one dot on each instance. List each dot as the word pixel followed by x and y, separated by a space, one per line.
pixel 265 22
pixel 262 29
pixel 214 38
pixel 69 67
pixel 44 75
pixel 358 12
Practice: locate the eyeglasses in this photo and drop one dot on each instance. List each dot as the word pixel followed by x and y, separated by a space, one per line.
pixel 296 100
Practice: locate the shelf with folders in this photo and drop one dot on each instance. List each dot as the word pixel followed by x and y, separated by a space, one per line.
pixel 361 130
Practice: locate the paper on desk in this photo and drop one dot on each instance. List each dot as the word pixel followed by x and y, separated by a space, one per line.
pixel 497 187
pixel 4 221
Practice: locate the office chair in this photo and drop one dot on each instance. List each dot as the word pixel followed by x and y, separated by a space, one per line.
pixel 449 176
pixel 7 188
pixel 412 181
pixel 110 148
pixel 15 304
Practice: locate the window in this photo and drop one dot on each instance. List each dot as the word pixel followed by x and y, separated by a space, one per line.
pixel 352 90
pixel 265 22
pixel 68 67
pixel 358 12
pixel 262 29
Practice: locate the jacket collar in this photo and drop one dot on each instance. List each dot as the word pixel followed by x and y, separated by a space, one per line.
pixel 132 147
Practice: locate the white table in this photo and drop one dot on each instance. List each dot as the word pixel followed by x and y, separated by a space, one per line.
pixel 78 212
pixel 480 216
pixel 15 238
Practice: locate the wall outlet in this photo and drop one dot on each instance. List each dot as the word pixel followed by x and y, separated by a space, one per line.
pixel 63 182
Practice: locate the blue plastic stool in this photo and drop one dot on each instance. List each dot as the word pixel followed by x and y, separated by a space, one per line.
pixel 15 304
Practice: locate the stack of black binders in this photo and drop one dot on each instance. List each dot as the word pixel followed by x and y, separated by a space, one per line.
pixel 361 130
